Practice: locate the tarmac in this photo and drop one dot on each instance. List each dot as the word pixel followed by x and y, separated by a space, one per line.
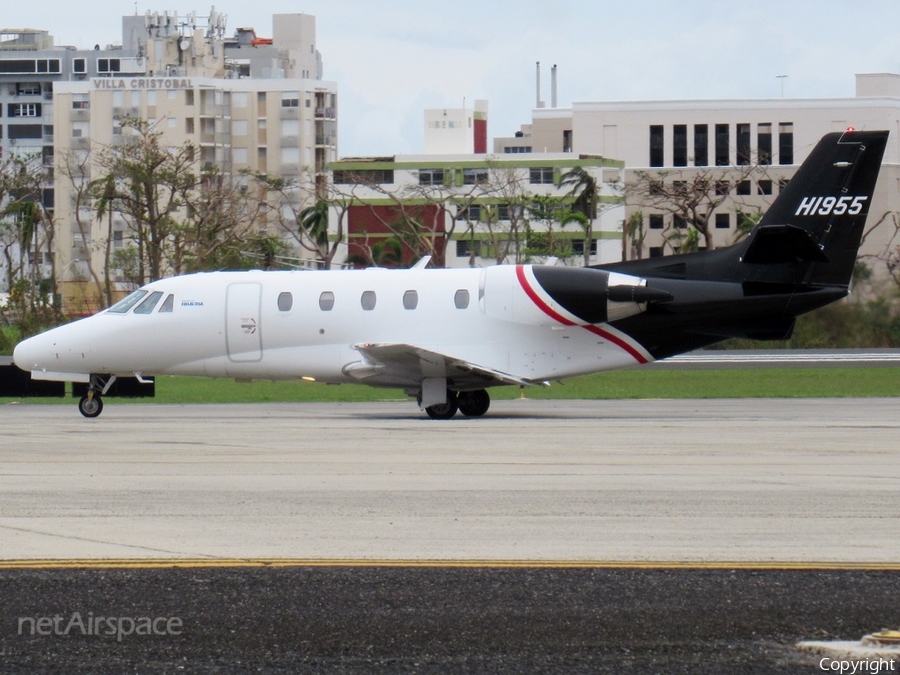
pixel 702 536
pixel 702 480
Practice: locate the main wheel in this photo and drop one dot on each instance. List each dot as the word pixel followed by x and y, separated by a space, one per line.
pixel 443 411
pixel 474 403
pixel 90 406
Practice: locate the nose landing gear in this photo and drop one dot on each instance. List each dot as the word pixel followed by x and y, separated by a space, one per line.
pixel 91 405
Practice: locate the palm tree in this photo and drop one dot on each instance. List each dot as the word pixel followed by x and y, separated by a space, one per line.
pixel 313 222
pixel 584 189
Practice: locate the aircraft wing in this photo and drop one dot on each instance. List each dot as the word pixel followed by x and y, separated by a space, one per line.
pixel 407 365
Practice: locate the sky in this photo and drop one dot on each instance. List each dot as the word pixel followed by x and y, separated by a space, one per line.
pixel 392 59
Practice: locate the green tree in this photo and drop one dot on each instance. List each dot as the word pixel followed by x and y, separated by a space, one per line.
pixel 585 191
pixel 153 182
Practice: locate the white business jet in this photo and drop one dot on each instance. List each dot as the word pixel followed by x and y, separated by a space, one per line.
pixel 447 335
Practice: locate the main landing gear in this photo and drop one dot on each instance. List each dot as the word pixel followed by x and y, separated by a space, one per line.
pixel 469 403
pixel 91 405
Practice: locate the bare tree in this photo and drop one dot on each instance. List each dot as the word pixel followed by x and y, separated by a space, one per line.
pixel 152 183
pixel 26 232
pixel 690 197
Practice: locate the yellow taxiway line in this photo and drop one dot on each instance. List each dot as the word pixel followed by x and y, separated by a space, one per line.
pixel 169 563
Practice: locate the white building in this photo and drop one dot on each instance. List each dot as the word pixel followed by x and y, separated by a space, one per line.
pixel 456 131
pixel 474 209
pixel 682 138
pixel 284 125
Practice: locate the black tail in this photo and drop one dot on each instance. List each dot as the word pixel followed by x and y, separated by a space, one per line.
pixel 811 233
pixel 817 222
pixel 798 258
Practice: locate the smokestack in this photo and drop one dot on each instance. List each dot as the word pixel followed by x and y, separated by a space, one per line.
pixel 537 100
pixel 553 86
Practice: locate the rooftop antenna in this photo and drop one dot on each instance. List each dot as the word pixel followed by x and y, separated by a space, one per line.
pixel 537 102
pixel 553 86
pixel 781 77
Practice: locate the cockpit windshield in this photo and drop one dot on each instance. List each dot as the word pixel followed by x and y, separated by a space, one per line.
pixel 127 303
pixel 146 307
pixel 144 302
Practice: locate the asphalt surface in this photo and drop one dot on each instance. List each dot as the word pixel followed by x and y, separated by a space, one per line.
pixel 438 620
pixel 712 480
pixel 751 482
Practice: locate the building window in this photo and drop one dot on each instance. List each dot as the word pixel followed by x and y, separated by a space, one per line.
pixel 80 102
pixel 656 221
pixel 723 221
pixel 290 99
pixel 431 176
pixel 25 131
pixel 578 247
pixel 657 147
pixel 470 213
pixel 474 176
pixel 656 251
pixel 722 188
pixel 410 300
pixel 364 177
pixel 326 301
pixel 28 66
pixel 764 143
pixel 743 188
pixel 743 144
pixel 679 145
pixel 722 140
pixel 109 66
pixel 463 248
pixel 24 110
pixel 541 175
pixel 285 301
pixel 764 187
pixel 679 222
pixel 28 89
pixel 701 145
pixel 786 143
pixel 367 300
pixel 461 298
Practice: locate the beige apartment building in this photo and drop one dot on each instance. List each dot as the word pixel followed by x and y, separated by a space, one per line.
pixel 684 138
pixel 282 125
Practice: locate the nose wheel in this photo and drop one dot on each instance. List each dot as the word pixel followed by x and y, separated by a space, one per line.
pixel 90 405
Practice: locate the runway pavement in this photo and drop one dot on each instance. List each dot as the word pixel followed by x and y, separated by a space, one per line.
pixel 565 536
pixel 719 480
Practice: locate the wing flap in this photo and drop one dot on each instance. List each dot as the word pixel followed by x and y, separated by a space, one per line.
pixel 400 361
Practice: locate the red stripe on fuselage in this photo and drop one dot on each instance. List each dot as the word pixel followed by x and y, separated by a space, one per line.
pixel 556 316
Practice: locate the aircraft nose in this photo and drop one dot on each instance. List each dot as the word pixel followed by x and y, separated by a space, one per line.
pixel 31 354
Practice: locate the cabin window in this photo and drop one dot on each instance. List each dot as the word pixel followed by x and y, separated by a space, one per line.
pixel 285 302
pixel 461 299
pixel 168 305
pixel 326 301
pixel 410 300
pixel 124 305
pixel 368 300
pixel 149 304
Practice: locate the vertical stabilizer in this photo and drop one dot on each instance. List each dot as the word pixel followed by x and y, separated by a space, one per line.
pixel 818 219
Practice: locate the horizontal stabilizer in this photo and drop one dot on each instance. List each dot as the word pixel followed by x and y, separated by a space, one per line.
pixel 775 244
